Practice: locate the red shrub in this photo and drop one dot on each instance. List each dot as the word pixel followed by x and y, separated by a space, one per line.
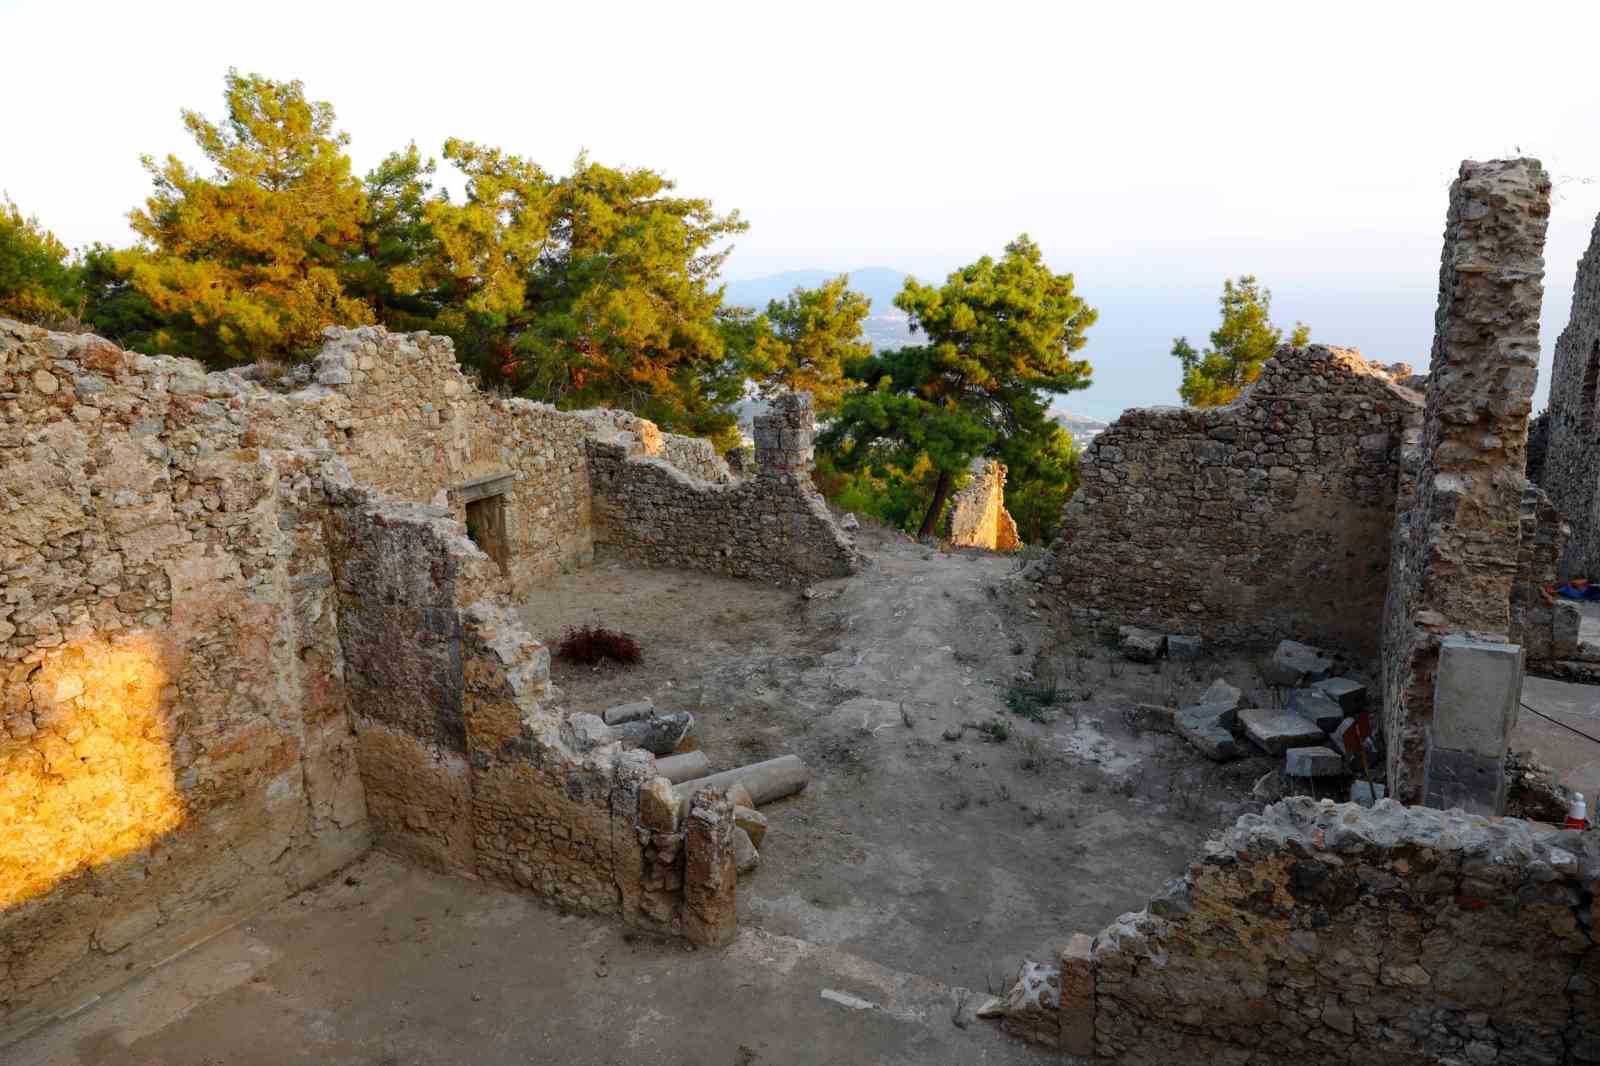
pixel 591 644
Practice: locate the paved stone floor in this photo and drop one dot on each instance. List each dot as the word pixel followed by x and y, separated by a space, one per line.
pixel 387 965
pixel 1576 760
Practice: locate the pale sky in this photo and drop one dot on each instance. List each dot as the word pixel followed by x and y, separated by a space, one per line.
pixel 1151 149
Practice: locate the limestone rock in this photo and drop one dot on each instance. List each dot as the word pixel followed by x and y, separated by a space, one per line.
pixel 1313 762
pixel 850 523
pixel 1317 708
pixel 1294 664
pixel 1206 724
pixel 1033 1004
pixel 740 795
pixel 745 855
pixel 1184 648
pixel 1349 694
pixel 658 806
pixel 1141 645
pixel 752 821
pixel 1276 731
pixel 1152 718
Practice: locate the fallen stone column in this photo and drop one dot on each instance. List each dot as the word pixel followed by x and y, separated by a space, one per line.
pixel 686 767
pixel 765 781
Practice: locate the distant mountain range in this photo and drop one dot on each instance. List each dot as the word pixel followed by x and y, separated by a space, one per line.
pixel 1082 428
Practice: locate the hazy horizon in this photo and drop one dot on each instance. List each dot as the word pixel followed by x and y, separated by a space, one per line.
pixel 1302 146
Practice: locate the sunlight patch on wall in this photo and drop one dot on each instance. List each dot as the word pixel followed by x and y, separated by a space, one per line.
pixel 95 781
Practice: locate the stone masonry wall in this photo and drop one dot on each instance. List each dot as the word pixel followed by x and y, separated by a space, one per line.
pixel 978 515
pixel 774 526
pixel 1572 463
pixel 174 747
pixel 1542 535
pixel 470 768
pixel 176 733
pixel 1456 553
pixel 1326 933
pixel 1269 518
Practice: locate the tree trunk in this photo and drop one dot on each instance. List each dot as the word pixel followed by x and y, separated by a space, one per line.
pixel 939 494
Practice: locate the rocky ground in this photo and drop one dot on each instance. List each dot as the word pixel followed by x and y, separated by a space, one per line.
pixel 943 834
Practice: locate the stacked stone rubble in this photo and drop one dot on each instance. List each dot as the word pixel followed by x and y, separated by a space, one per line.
pixel 1456 553
pixel 1266 519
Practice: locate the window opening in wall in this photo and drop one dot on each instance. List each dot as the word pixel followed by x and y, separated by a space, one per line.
pixel 1591 380
pixel 486 525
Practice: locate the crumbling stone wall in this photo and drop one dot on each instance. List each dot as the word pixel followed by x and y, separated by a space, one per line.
pixel 1572 464
pixel 188 717
pixel 1542 534
pixel 1266 519
pixel 470 768
pixel 174 747
pixel 1456 553
pixel 774 525
pixel 1327 933
pixel 978 515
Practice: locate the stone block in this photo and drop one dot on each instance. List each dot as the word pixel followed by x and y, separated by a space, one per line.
pixel 752 821
pixel 1466 780
pixel 1313 762
pixel 658 806
pixel 1477 696
pixel 1151 718
pixel 1141 645
pixel 745 855
pixel 1184 649
pixel 1224 696
pixel 1277 731
pixel 1077 996
pixel 1349 694
pixel 1293 664
pixel 1316 707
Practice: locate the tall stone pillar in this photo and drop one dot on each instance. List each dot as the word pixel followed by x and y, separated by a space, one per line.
pixel 1456 550
pixel 784 435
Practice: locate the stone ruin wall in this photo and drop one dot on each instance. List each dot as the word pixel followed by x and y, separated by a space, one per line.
pixel 470 768
pixel 1266 519
pixel 1327 933
pixel 978 515
pixel 184 735
pixel 1458 545
pixel 774 525
pixel 1572 463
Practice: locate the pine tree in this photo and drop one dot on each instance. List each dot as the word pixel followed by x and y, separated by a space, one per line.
pixel 1245 340
pixel 244 264
pixel 1001 337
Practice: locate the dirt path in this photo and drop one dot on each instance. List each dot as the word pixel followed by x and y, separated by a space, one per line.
pixel 951 858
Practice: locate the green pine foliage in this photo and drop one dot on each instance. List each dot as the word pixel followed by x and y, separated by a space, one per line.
pixel 1239 346
pixel 1001 337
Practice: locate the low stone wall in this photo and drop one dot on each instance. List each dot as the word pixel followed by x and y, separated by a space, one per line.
pixel 1331 933
pixel 1266 519
pixel 978 515
pixel 773 526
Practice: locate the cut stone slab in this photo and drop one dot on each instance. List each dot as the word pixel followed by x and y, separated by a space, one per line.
pixel 1294 664
pixel 1476 696
pixel 1185 649
pixel 1205 724
pixel 659 734
pixel 1221 694
pixel 1141 645
pixel 1151 718
pixel 629 712
pixel 1277 731
pixel 1347 693
pixel 1317 708
pixel 1313 762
